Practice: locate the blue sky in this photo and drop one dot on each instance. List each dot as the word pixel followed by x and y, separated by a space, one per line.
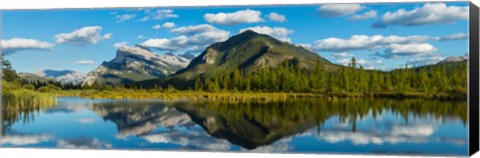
pixel 379 35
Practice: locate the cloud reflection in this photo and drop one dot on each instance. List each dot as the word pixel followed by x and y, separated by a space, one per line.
pixel 83 143
pixel 194 138
pixel 21 140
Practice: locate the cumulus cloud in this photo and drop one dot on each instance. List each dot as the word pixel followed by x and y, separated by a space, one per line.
pixel 238 17
pixel 84 36
pixel 344 61
pixel 192 38
pixel 411 49
pixel 276 17
pixel 168 25
pixel 457 36
pixel 140 36
pixel 365 16
pixel 107 36
pixel 430 13
pixel 22 44
pixel 194 29
pixel 121 44
pixel 425 60
pixel 366 64
pixel 364 42
pixel 85 62
pixel 277 32
pixel 159 15
pixel 356 42
pixel 124 17
pixel 339 10
pixel 156 27
pixel 342 55
pixel 169 44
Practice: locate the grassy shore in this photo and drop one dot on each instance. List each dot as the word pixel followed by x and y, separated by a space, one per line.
pixel 201 95
pixel 22 98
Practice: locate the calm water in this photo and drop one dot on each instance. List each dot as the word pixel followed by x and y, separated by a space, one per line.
pixel 379 126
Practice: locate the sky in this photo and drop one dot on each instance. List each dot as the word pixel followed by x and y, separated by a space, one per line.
pixel 380 36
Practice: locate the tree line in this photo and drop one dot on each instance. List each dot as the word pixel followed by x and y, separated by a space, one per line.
pixel 288 77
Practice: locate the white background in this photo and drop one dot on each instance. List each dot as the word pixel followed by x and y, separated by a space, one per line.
pixel 62 153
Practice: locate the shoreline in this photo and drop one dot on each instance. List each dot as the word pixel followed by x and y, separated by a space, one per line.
pixel 235 96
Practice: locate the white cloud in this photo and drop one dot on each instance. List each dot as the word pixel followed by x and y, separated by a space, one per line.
pixel 156 27
pixel 356 42
pixel 107 36
pixel 85 62
pixel 20 140
pixel 170 44
pixel 417 133
pixel 238 17
pixel 86 120
pixel 364 42
pixel 124 17
pixel 21 44
pixel 168 25
pixel 344 61
pixel 159 15
pixel 430 13
pixel 411 49
pixel 140 36
pixel 276 17
pixel 367 15
pixel 83 36
pixel 192 38
pixel 277 32
pixel 342 55
pixel 194 29
pixel 146 18
pixel 361 62
pixel 457 36
pixel 425 60
pixel 339 10
pixel 120 44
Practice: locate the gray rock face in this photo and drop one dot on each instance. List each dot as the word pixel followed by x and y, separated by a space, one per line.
pixel 134 64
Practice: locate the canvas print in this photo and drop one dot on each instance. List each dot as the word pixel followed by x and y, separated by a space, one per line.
pixel 370 78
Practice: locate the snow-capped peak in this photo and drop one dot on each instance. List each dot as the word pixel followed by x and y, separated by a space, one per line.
pixel 63 76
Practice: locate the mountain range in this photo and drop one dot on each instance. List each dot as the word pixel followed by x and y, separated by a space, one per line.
pixel 62 76
pixel 247 50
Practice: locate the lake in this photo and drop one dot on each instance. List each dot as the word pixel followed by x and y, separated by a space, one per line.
pixel 364 126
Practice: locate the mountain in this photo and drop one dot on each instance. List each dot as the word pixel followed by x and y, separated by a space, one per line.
pixel 247 50
pixel 134 64
pixel 188 56
pixel 62 76
pixel 453 59
pixel 140 118
pixel 34 77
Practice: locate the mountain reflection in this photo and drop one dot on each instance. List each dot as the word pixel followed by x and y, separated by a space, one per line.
pixel 139 118
pixel 263 125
